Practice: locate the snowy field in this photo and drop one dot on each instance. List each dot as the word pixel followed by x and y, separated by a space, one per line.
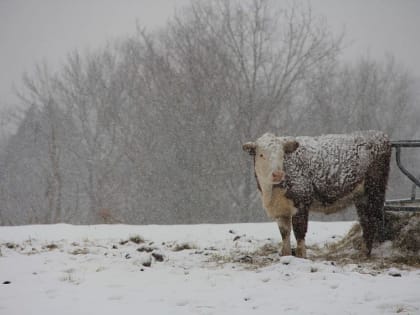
pixel 198 269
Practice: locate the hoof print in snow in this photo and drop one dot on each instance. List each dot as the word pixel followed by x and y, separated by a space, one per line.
pixel 237 237
pixel 211 248
pixel 286 260
pixel 136 239
pixel 147 263
pixel 314 269
pixel 6 282
pixel 146 249
pixel 245 259
pixel 182 303
pixel 127 256
pixel 51 246
pixel 181 247
pixel 10 245
pixel 114 247
pixel 232 232
pixel 394 273
pixel 159 257
pixel 80 251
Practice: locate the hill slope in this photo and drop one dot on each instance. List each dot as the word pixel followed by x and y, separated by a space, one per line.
pixel 198 269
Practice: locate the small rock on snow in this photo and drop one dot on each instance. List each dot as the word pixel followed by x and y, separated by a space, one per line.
pixel 286 260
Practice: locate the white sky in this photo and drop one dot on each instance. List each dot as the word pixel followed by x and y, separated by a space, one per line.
pixel 37 30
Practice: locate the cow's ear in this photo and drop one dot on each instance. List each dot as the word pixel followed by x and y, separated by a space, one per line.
pixel 290 146
pixel 250 147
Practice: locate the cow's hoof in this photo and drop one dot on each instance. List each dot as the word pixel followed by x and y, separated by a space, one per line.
pixel 366 251
pixel 286 252
pixel 301 252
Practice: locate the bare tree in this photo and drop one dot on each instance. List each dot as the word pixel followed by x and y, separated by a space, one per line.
pixel 367 94
pixel 40 95
pixel 94 96
pixel 263 56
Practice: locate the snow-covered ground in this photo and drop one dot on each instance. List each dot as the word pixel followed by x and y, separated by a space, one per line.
pixel 198 269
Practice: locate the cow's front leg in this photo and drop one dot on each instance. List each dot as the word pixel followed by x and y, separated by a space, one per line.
pixel 285 227
pixel 300 226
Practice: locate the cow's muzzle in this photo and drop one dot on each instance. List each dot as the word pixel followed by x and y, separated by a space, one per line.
pixel 277 177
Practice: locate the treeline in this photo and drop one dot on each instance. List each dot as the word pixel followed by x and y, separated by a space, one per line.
pixel 149 128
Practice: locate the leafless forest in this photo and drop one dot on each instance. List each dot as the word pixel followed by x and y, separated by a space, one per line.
pixel 148 129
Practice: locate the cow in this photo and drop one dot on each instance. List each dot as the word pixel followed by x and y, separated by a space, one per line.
pixel 327 173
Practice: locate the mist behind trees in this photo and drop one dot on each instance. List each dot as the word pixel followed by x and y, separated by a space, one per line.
pixel 149 129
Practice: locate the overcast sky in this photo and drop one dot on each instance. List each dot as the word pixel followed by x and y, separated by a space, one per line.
pixel 36 30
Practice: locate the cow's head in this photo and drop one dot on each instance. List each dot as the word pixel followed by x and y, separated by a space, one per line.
pixel 269 152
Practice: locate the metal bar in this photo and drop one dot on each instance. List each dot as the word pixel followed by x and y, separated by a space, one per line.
pixel 403 201
pixel 403 169
pixel 405 143
pixel 405 205
pixel 413 190
pixel 401 209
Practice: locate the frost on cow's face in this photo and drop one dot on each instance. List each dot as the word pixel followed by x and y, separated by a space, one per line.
pixel 269 152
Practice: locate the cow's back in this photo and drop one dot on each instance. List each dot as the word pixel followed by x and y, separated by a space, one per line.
pixel 333 167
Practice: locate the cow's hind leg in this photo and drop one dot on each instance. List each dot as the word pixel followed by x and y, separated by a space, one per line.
pixel 369 209
pixel 370 205
pixel 376 183
pixel 366 222
pixel 285 227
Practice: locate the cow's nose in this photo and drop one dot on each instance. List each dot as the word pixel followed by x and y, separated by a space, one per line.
pixel 277 176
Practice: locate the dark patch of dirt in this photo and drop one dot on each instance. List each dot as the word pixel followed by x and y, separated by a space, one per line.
pixel 136 239
pixel 182 246
pixel 80 251
pixel 51 246
pixel 158 257
pixel 146 249
pixel 11 245
pixel 263 256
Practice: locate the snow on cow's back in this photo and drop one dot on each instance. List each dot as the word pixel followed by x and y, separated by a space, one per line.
pixel 338 159
pixel 332 149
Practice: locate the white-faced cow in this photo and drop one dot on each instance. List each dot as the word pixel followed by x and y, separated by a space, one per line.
pixel 326 173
